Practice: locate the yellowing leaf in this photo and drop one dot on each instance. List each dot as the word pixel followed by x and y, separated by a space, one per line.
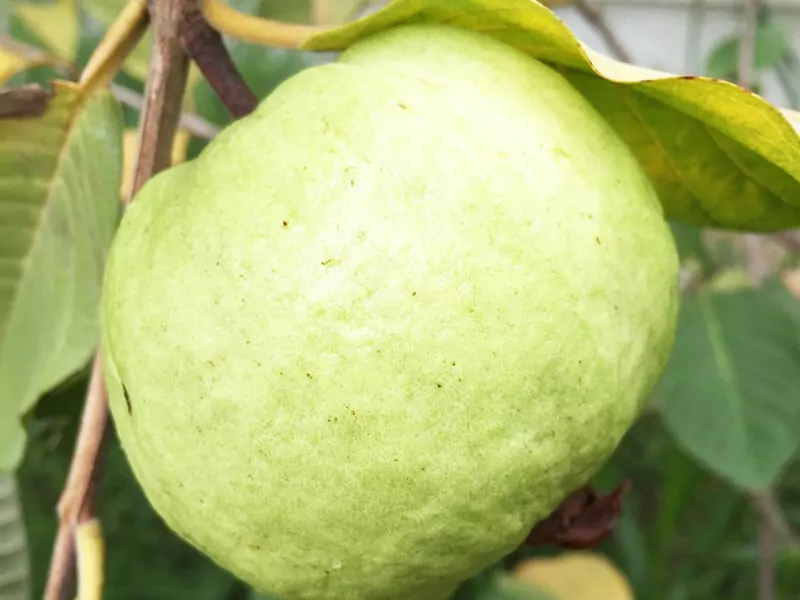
pixel 105 12
pixel 15 59
pixel 11 64
pixel 55 24
pixel 717 154
pixel 576 576
pixel 60 162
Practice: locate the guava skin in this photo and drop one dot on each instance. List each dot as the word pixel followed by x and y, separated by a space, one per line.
pixel 386 323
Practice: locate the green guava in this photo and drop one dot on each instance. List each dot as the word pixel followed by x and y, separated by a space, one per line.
pixel 382 326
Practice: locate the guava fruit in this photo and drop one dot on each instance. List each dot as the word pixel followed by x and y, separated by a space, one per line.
pixel 383 325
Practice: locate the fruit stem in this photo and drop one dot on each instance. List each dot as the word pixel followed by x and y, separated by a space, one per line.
pixel 257 30
pixel 166 83
pixel 76 505
pixel 205 46
pixel 120 39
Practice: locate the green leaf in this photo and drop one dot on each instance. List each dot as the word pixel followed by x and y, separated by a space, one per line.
pixel 730 393
pixel 771 46
pixel 717 154
pixel 59 207
pixel 14 564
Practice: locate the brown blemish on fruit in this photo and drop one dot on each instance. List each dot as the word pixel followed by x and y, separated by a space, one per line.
pixel 127 399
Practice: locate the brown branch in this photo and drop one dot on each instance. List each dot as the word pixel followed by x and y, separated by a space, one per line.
pixel 770 513
pixel 773 531
pixel 746 66
pixel 758 266
pixel 194 124
pixel 81 483
pixel 766 562
pixel 37 56
pixel 789 240
pixel 205 46
pixel 597 20
pixel 163 94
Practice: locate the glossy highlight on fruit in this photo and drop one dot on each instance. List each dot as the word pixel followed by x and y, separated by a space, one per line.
pixel 382 326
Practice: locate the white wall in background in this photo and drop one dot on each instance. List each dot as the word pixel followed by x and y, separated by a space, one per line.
pixel 657 34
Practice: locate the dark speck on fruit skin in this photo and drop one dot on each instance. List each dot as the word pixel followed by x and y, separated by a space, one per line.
pixel 285 223
pixel 127 399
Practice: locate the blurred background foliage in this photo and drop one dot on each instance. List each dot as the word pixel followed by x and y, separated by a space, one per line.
pixel 711 459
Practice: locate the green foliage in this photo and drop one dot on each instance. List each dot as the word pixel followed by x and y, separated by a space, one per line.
pixel 13 544
pixel 60 176
pixel 687 531
pixel 729 394
pixel 771 46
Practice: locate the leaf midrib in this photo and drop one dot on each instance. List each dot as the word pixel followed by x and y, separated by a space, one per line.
pixel 44 212
pixel 724 363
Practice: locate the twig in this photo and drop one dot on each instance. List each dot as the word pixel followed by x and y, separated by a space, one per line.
pixel 35 55
pixel 164 91
pixel 766 562
pixel 757 264
pixel 758 267
pixel 194 124
pixel 789 240
pixel 204 45
pixel 595 18
pixel 747 44
pixel 773 530
pixel 770 513
pixel 76 500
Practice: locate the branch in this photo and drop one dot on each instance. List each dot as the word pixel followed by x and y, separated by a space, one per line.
pixel 164 91
pixel 595 17
pixel 773 530
pixel 758 266
pixel 770 514
pixel 747 44
pixel 37 56
pixel 205 46
pixel 76 499
pixel 194 124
